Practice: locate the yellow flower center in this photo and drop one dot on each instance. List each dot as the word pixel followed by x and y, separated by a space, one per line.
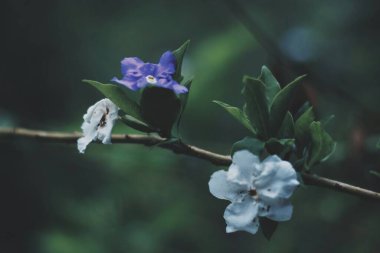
pixel 151 79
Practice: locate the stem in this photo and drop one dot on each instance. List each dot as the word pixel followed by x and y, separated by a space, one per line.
pixel 179 147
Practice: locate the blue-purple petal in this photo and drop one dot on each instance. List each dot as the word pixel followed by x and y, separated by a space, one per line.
pixel 131 85
pixel 179 89
pixel 131 65
pixel 168 61
pixel 149 69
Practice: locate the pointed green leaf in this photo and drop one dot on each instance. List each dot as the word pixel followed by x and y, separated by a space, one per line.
pixel 378 144
pixel 237 113
pixel 253 145
pixel 268 227
pixel 287 127
pixel 118 97
pixel 184 97
pixel 302 126
pixel 179 54
pixel 281 103
pixel 256 105
pixel 302 109
pixel 322 145
pixel 375 173
pixel 137 124
pixel 271 84
pixel 279 147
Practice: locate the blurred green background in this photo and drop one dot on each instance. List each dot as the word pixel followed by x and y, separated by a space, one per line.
pixel 128 198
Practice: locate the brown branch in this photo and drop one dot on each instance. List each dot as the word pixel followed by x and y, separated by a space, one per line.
pixel 179 148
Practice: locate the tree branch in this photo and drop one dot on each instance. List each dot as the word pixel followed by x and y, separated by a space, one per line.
pixel 178 147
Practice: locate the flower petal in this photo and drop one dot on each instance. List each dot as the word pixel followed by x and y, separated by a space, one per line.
pixel 149 69
pixel 131 66
pixel 83 142
pixel 241 214
pixel 221 188
pixel 250 228
pixel 167 63
pixel 129 84
pixel 179 89
pixel 244 166
pixel 279 212
pixel 98 123
pixel 277 180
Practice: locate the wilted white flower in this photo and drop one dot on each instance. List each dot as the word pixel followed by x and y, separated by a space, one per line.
pixel 98 123
pixel 256 189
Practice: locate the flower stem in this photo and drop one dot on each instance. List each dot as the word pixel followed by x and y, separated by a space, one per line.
pixel 178 147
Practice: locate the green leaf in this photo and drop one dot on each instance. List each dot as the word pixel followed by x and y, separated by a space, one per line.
pixel 256 105
pixel 322 145
pixel 184 97
pixel 287 127
pixel 118 97
pixel 160 108
pixel 179 54
pixel 272 86
pixel 279 147
pixel 268 227
pixel 302 126
pixel 375 173
pixel 302 109
pixel 237 113
pixel 253 145
pixel 137 124
pixel 327 121
pixel 280 105
pixel 378 144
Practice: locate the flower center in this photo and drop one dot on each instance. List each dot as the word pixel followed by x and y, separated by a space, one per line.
pixel 103 120
pixel 253 193
pixel 151 79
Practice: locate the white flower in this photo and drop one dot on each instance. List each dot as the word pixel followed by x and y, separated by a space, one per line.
pixel 256 189
pixel 98 123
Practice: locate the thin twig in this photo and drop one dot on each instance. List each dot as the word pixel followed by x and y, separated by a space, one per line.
pixel 178 147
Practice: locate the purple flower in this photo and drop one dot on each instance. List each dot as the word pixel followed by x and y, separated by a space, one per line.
pixel 137 74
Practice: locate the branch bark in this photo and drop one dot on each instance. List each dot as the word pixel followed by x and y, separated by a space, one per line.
pixel 179 147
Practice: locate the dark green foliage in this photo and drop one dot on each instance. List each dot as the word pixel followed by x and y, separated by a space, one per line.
pixel 280 146
pixel 266 113
pixel 137 124
pixel 116 95
pixel 257 108
pixel 238 114
pixel 322 145
pixel 272 87
pixel 184 98
pixel 281 103
pixel 302 127
pixel 179 54
pixel 287 129
pixel 268 227
pixel 253 145
pixel 160 108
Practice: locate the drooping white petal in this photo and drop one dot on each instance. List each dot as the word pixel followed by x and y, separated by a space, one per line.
pixel 239 215
pixel 222 188
pixel 98 123
pixel 244 167
pixel 252 227
pixel 279 212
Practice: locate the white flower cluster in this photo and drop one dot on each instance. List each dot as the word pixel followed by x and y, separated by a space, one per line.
pixel 255 189
pixel 98 123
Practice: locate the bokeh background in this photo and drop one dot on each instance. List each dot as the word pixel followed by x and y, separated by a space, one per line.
pixel 128 198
